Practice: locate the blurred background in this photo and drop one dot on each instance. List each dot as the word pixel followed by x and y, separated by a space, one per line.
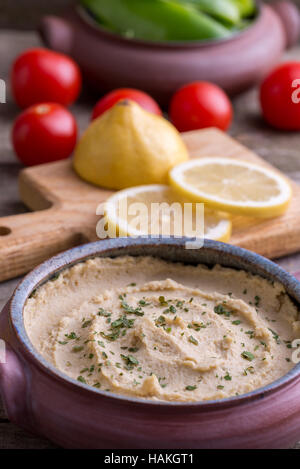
pixel 25 14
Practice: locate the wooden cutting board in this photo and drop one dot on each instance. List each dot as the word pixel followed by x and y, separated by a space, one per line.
pixel 64 211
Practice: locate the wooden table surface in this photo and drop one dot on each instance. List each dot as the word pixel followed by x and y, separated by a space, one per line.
pixel 279 148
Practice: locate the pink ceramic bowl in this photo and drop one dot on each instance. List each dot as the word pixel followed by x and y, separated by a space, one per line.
pixel 109 61
pixel 44 401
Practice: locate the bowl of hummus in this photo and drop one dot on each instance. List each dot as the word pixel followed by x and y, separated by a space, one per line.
pixel 144 343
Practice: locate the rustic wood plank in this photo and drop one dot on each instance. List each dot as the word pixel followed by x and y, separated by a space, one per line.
pixel 26 14
pixel 3 416
pixel 12 437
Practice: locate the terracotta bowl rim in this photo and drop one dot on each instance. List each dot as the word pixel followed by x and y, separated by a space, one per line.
pixel 64 260
pixel 87 19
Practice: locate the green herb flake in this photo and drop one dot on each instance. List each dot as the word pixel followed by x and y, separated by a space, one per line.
pixel 162 301
pixel 130 361
pixel 77 348
pixel 130 310
pixel 219 309
pixel 81 379
pixel 71 336
pixel 193 340
pixel 190 388
pixel 248 356
pixel 104 313
pixel 257 300
pixel 86 323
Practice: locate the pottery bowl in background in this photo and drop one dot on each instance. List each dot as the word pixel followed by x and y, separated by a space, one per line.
pixel 109 61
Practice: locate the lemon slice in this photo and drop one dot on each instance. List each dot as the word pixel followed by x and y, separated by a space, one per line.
pixel 158 210
pixel 233 186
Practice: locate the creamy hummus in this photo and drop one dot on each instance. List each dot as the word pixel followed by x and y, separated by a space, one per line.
pixel 141 326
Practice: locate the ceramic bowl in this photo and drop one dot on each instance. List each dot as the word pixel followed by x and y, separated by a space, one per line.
pixel 44 401
pixel 110 61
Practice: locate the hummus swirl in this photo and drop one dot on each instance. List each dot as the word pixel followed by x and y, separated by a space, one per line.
pixel 159 330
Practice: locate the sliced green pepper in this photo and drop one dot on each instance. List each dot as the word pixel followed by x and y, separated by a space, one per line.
pixel 246 7
pixel 225 11
pixel 156 20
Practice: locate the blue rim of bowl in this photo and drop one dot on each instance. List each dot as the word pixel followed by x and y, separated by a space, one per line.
pixel 66 259
pixel 87 18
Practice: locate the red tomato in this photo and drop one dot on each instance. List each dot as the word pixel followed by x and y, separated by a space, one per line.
pixel 198 105
pixel 280 97
pixel 110 99
pixel 43 133
pixel 40 75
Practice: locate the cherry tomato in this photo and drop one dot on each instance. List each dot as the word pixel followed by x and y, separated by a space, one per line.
pixel 198 105
pixel 280 97
pixel 43 133
pixel 41 75
pixel 110 99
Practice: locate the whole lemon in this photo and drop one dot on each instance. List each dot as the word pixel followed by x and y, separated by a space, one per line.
pixel 128 146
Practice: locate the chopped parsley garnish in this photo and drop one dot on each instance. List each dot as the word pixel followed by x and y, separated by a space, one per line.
pixel 256 300
pixel 219 309
pixel 87 323
pixel 112 336
pixel 190 388
pixel 250 370
pixel 160 321
pixel 162 301
pixel 227 377
pixel 130 361
pixel 275 336
pixel 130 310
pixel 71 336
pixel 196 326
pixel 143 303
pixel 77 348
pixel 236 322
pixel 104 313
pixel 81 379
pixel 248 356
pixel 193 340
pixel 133 349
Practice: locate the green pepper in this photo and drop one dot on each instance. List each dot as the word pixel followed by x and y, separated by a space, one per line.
pixel 156 20
pixel 246 7
pixel 225 11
